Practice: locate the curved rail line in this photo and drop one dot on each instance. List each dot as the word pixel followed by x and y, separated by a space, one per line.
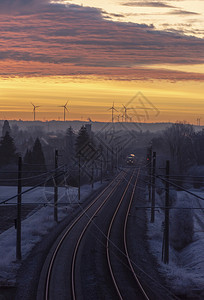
pixel 80 239
pixel 54 255
pixel 125 242
pixel 108 239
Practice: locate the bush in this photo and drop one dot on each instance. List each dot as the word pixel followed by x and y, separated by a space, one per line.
pixel 182 225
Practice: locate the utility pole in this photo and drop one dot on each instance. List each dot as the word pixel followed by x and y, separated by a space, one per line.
pixel 117 156
pixel 153 188
pixel 112 163
pixel 56 187
pixel 166 221
pixel 18 231
pixel 79 178
pixel 149 158
pixel 101 168
pixel 107 159
pixel 92 174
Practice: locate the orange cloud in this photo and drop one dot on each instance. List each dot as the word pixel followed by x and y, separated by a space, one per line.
pixel 73 40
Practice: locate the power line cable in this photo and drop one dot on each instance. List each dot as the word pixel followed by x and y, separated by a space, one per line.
pixel 180 187
pixel 28 190
pixel 31 177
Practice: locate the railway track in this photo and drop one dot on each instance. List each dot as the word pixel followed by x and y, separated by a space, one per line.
pixel 61 274
pixel 47 282
pixel 76 250
pixel 117 249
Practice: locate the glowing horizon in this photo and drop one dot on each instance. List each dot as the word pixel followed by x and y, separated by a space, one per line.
pixel 92 99
pixel 92 57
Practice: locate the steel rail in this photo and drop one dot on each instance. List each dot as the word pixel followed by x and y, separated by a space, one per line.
pixel 126 254
pixel 108 239
pixel 54 255
pixel 80 239
pixel 125 240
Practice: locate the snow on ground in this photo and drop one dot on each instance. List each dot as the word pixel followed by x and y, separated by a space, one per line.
pixel 36 225
pixel 185 272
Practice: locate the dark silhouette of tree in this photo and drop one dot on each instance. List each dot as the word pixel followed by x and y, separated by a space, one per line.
pixel 38 157
pixel 28 157
pixel 6 128
pixel 179 139
pixel 15 130
pixel 199 147
pixel 69 145
pixel 82 140
pixel 34 159
pixel 7 150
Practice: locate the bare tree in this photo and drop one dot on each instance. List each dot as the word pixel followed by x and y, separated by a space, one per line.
pixel 178 139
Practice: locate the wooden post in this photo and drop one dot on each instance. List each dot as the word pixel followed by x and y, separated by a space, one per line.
pixel 153 188
pixel 166 221
pixel 112 163
pixel 150 173
pixel 18 227
pixel 79 178
pixel 92 174
pixel 101 168
pixel 56 187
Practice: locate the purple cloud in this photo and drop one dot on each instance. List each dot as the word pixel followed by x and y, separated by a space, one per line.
pixel 68 40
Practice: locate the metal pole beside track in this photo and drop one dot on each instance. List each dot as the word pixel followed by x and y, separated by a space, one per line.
pixel 18 231
pixel 56 188
pixel 79 179
pixel 153 188
pixel 166 222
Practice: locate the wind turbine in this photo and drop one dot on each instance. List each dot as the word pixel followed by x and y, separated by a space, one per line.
pixel 113 108
pixel 134 109
pixel 125 109
pixel 125 113
pixel 198 121
pixel 89 119
pixel 65 109
pixel 118 117
pixel 34 108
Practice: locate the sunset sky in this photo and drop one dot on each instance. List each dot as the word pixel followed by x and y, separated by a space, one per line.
pixel 93 53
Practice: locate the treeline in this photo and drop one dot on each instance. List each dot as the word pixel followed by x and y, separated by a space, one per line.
pixel 38 156
pixel 104 149
pixel 184 148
